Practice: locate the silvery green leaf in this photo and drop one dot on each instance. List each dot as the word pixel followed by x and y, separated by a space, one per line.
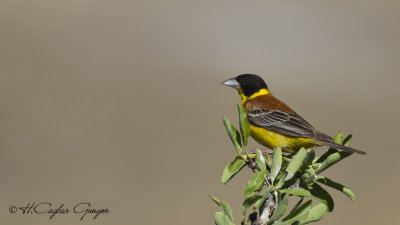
pixel 296 191
pixel 216 200
pixel 279 223
pixel 339 138
pixel 276 163
pixel 249 202
pixel 255 183
pixel 336 186
pixel 260 161
pixel 297 204
pixel 260 201
pixel 228 210
pixel 298 213
pixel 225 217
pixel 347 140
pixel 309 159
pixel 295 163
pixel 280 209
pixel 244 124
pixel 233 134
pixel 321 195
pixel 221 218
pixel 333 156
pixel 232 169
pixel 316 213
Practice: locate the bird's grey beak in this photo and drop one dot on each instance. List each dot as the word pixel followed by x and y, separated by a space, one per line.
pixel 231 83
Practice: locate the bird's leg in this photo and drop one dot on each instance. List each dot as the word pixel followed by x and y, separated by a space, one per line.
pixel 251 164
pixel 265 152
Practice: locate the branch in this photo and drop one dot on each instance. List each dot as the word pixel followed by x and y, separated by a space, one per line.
pixel 267 210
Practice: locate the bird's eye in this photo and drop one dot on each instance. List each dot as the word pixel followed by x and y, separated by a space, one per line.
pixel 246 80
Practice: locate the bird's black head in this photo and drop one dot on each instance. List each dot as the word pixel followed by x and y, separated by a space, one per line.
pixel 248 84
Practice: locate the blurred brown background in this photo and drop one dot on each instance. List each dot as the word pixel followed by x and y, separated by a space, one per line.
pixel 119 103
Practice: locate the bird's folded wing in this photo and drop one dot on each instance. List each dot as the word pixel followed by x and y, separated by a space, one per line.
pixel 280 122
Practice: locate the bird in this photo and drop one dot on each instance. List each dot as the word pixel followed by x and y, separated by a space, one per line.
pixel 273 123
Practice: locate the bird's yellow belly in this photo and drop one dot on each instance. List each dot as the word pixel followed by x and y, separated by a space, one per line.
pixel 271 140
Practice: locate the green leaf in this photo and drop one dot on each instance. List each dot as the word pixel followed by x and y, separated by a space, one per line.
pixel 233 134
pixel 339 138
pixel 244 124
pixel 295 163
pixel 216 200
pixel 280 209
pixel 336 186
pixel 260 201
pixel 276 163
pixel 228 210
pixel 255 183
pixel 297 204
pixel 298 213
pixel 279 223
pixel 249 202
pixel 227 213
pixel 306 178
pixel 260 161
pixel 221 218
pixel 309 159
pixel 347 140
pixel 333 156
pixel 297 191
pixel 279 179
pixel 322 196
pixel 233 168
pixel 316 213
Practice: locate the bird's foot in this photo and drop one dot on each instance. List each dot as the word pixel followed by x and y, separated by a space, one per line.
pixel 265 152
pixel 252 164
pixel 288 155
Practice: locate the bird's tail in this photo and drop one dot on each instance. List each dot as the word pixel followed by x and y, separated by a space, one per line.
pixel 344 148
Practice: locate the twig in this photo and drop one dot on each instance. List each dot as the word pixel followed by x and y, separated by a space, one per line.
pixel 268 209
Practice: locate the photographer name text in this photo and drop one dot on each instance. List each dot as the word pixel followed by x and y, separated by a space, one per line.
pixel 83 209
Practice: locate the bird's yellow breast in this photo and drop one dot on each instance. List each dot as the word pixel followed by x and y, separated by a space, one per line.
pixel 271 140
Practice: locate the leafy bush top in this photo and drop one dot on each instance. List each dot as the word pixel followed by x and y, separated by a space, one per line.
pixel 278 177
